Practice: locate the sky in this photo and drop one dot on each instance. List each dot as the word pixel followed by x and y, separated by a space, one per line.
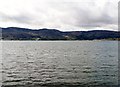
pixel 64 15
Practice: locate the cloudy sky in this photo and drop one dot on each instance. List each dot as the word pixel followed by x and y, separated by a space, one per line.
pixel 65 15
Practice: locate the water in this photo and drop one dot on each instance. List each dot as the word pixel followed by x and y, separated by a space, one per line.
pixel 59 63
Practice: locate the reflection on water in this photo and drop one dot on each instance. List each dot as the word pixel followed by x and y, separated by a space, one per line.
pixel 58 64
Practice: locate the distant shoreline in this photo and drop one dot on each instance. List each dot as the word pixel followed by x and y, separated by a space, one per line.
pixel 67 40
pixel 14 33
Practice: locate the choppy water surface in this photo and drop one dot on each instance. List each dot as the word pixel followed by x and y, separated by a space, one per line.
pixel 59 63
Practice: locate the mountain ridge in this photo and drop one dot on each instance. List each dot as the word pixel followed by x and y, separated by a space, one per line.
pixel 16 33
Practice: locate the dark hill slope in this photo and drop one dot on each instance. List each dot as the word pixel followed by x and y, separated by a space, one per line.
pixel 14 33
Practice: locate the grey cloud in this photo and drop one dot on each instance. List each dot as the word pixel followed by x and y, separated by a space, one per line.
pixel 83 16
pixel 86 17
pixel 17 18
pixel 74 14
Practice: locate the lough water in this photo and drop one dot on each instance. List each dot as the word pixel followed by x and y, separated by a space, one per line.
pixel 59 64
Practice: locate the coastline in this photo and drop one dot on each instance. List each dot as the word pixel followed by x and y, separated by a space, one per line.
pixel 63 40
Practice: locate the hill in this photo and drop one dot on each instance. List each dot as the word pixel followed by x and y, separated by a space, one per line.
pixel 15 33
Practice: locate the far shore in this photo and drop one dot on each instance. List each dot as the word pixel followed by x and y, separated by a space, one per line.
pixel 68 40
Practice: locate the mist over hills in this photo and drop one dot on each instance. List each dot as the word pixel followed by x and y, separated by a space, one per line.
pixel 15 33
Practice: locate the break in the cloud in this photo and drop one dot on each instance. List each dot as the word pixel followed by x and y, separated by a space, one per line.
pixel 61 14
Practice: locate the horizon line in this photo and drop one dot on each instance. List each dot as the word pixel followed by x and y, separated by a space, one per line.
pixel 63 31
